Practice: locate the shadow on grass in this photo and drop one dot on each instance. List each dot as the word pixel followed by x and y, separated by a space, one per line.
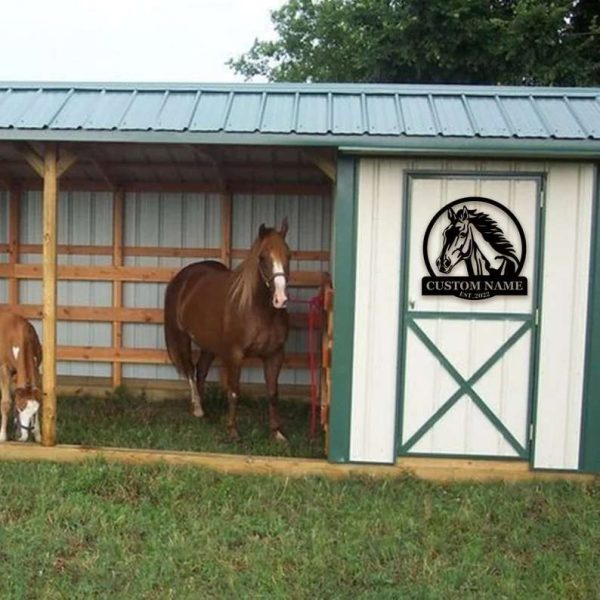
pixel 127 421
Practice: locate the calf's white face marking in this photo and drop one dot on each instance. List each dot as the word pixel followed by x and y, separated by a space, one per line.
pixel 15 351
pixel 25 417
pixel 279 283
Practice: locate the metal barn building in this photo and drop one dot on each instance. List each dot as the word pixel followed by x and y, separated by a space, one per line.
pixel 460 226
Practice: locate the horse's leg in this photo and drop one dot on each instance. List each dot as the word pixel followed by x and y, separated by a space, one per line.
pixel 6 400
pixel 233 392
pixel 272 367
pixel 197 386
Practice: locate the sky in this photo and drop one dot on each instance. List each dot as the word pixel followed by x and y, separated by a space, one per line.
pixel 129 40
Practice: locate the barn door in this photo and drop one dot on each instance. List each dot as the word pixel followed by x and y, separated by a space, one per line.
pixel 469 317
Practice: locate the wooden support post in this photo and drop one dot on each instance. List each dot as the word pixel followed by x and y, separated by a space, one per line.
pixel 49 232
pixel 14 211
pixel 117 330
pixel 226 212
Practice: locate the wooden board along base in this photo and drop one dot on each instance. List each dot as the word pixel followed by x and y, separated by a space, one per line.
pixel 424 468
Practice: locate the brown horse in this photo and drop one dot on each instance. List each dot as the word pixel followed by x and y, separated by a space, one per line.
pixel 20 357
pixel 232 315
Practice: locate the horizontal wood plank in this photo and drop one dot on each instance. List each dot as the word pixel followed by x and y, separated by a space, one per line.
pixel 159 251
pixel 106 314
pixel 132 274
pixel 152 356
pixel 424 468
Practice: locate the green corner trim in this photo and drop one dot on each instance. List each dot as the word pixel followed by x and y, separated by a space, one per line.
pixel 344 281
pixel 589 454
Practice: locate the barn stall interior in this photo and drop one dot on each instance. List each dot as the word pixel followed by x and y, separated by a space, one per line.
pixel 127 217
pixel 151 178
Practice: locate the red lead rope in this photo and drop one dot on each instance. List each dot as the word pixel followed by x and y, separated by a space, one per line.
pixel 315 310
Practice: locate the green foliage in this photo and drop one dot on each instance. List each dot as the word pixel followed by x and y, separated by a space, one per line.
pixel 542 42
pixel 110 531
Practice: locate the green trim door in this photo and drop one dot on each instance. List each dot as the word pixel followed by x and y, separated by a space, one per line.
pixel 468 339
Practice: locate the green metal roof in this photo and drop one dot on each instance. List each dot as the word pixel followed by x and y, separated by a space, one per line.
pixel 351 116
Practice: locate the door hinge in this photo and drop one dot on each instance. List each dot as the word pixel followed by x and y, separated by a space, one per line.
pixel 530 432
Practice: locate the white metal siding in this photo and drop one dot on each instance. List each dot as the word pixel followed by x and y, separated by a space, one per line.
pixel 376 311
pixel 565 255
pixel 565 285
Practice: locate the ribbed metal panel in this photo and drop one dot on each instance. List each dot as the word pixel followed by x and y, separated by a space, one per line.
pixel 279 113
pixel 193 220
pixel 3 240
pixel 84 218
pixel 340 112
pixel 418 117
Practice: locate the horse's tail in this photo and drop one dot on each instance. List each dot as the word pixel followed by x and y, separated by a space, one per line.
pixel 179 346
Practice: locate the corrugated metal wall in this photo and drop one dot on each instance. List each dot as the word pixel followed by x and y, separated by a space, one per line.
pixel 3 240
pixel 186 220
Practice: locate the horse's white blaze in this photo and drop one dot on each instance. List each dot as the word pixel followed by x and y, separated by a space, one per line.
pixel 15 351
pixel 279 284
pixel 25 417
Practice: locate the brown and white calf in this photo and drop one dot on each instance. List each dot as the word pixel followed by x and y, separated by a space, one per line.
pixel 20 358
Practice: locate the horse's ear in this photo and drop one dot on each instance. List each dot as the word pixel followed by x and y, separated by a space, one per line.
pixel 463 215
pixel 262 231
pixel 284 227
pixel 451 215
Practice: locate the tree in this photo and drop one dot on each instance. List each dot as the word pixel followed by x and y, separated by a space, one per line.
pixel 541 42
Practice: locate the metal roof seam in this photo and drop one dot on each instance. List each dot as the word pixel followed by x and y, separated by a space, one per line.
pixel 295 112
pixel 510 126
pixel 160 110
pixel 470 117
pixel 226 112
pixel 70 94
pixel 193 111
pixel 122 123
pixel 577 120
pixel 435 116
pixel 551 131
pixel 399 115
pixel 364 113
pixel 261 112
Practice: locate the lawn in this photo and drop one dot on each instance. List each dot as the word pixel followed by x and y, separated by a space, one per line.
pixel 112 531
pixel 124 420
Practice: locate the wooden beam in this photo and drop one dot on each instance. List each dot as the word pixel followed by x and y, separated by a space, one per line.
pixel 14 211
pixel 161 251
pixel 432 469
pixel 139 274
pixel 66 161
pixel 103 172
pixel 323 161
pixel 226 214
pixel 153 356
pixel 49 233
pixel 33 159
pixel 117 326
pixel 236 187
pixel 109 314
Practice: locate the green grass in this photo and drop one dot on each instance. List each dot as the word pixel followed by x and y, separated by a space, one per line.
pixel 123 420
pixel 111 531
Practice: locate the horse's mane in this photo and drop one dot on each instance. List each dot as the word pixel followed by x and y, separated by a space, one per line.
pixel 245 277
pixel 492 233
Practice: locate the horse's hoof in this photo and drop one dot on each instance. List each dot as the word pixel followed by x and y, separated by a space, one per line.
pixel 279 437
pixel 198 412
